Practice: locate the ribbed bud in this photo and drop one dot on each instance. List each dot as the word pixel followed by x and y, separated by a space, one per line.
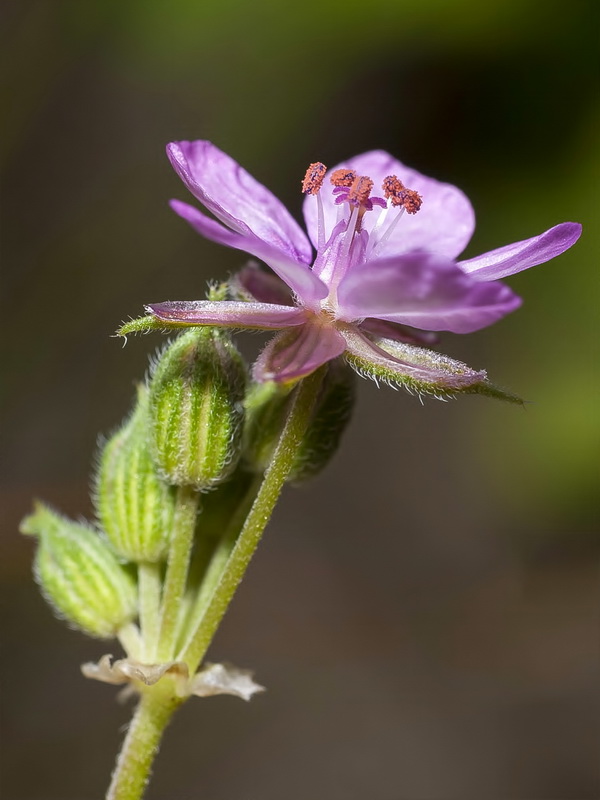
pixel 267 406
pixel 79 575
pixel 135 507
pixel 196 408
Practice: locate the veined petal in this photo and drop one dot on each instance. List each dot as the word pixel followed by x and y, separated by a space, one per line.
pixel 424 291
pixel 444 224
pixel 297 275
pixel 416 369
pixel 236 198
pixel 521 255
pixel 228 314
pixel 254 283
pixel 400 333
pixel 293 354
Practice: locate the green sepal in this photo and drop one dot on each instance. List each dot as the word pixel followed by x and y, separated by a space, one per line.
pixel 267 407
pixel 79 574
pixel 414 367
pixel 147 324
pixel 196 408
pixel 216 292
pixel 135 507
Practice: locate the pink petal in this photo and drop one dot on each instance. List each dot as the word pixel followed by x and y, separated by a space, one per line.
pixel 254 283
pixel 444 224
pixel 236 198
pixel 522 255
pixel 403 363
pixel 396 332
pixel 228 314
pixel 293 354
pixel 297 275
pixel 425 291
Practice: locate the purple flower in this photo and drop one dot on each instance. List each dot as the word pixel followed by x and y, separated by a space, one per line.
pixel 386 240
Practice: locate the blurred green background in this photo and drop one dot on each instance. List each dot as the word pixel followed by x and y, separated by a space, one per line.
pixel 425 613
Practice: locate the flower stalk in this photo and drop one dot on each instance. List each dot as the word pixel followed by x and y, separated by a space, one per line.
pixel 149 592
pixel 184 523
pixel 275 477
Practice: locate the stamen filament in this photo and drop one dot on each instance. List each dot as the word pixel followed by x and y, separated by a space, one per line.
pixel 349 236
pixel 386 233
pixel 378 225
pixel 320 224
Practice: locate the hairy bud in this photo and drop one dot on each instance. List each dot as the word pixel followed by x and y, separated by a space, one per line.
pixel 196 408
pixel 267 406
pixel 134 505
pixel 79 575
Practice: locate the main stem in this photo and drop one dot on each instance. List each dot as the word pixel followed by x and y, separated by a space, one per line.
pixel 275 477
pixel 132 770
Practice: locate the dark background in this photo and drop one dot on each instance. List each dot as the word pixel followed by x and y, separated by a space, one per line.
pixel 425 614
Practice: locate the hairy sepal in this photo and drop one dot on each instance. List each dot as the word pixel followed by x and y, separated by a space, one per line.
pixel 421 371
pixel 147 324
pixel 80 576
pixel 135 507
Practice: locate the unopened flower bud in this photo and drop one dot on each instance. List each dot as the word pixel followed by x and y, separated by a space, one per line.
pixel 196 408
pixel 134 505
pixel 267 406
pixel 79 575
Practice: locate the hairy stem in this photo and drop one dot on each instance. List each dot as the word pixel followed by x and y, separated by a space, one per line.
pixel 275 477
pixel 140 747
pixel 130 639
pixel 217 564
pixel 149 590
pixel 184 524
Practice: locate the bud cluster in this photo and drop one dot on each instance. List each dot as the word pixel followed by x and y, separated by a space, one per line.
pixel 196 426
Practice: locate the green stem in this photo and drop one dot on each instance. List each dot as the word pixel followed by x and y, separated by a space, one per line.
pixel 275 477
pixel 180 550
pixel 131 641
pixel 140 747
pixel 217 563
pixel 149 589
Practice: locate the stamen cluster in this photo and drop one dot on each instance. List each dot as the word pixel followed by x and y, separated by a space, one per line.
pixel 354 189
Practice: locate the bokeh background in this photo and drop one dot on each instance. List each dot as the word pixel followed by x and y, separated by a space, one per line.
pixel 425 614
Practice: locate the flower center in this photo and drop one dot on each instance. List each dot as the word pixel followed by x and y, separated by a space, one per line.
pixel 349 243
pixel 356 191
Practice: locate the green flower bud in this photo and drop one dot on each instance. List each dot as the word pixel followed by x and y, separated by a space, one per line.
pixel 267 406
pixel 196 408
pixel 135 507
pixel 79 575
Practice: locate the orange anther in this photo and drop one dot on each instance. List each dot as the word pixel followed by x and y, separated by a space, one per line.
pixel 397 192
pixel 360 190
pixel 313 180
pixel 343 177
